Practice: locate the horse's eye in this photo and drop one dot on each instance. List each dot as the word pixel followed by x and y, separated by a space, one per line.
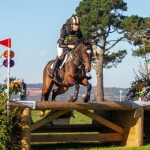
pixel 88 51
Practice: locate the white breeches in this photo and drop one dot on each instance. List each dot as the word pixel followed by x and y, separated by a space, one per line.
pixel 60 51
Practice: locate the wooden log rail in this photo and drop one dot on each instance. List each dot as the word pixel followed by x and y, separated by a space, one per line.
pixel 48 105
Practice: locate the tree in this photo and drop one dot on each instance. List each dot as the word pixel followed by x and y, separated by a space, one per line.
pixel 100 19
pixel 140 38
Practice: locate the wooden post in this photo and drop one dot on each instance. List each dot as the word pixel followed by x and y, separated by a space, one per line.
pixel 26 125
pixel 139 115
pixel 132 122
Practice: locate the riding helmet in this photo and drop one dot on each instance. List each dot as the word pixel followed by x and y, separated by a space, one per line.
pixel 75 20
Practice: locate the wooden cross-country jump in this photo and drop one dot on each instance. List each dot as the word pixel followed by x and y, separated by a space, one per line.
pixel 125 125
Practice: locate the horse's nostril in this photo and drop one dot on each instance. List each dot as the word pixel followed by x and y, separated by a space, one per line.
pixel 87 70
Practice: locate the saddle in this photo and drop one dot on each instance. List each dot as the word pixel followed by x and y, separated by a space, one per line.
pixel 57 66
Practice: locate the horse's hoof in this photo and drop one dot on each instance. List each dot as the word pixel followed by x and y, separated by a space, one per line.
pixel 70 99
pixel 41 114
pixel 84 99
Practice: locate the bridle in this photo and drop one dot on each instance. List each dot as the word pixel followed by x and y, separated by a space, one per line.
pixel 80 61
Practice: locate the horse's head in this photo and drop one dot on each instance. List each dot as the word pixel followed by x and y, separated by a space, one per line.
pixel 84 51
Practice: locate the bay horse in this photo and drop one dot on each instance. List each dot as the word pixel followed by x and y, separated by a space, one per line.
pixel 78 62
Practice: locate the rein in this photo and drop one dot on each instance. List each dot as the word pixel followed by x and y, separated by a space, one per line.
pixel 77 57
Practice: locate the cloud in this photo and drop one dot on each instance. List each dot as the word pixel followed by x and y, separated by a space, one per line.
pixel 42 53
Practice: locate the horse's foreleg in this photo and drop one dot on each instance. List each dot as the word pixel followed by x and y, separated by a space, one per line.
pixel 75 97
pixel 89 86
pixel 45 95
pixel 76 92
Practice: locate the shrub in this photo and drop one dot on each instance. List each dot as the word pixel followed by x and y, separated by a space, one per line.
pixel 9 125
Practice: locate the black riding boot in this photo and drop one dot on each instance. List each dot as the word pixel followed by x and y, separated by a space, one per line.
pixel 55 66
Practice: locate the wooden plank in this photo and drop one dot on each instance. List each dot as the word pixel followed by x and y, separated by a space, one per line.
pixel 68 128
pixel 123 115
pixel 25 126
pixel 102 121
pixel 146 107
pixel 77 137
pixel 125 123
pixel 47 119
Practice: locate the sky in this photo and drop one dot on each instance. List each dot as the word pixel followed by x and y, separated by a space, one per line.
pixel 34 28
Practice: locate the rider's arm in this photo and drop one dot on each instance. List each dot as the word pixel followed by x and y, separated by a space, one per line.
pixel 61 43
pixel 80 35
pixel 62 38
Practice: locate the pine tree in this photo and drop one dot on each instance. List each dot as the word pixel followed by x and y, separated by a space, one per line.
pixel 99 20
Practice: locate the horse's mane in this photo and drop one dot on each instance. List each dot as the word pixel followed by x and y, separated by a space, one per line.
pixel 83 41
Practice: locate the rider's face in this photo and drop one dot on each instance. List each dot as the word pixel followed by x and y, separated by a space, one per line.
pixel 75 27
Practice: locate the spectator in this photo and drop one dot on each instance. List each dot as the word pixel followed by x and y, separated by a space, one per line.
pixel 24 87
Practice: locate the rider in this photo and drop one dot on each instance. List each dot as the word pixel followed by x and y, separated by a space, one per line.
pixel 70 33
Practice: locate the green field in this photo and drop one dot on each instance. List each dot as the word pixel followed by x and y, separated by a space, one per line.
pixel 80 119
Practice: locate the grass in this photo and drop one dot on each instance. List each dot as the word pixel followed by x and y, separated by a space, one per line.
pixel 85 146
pixel 77 119
pixel 80 119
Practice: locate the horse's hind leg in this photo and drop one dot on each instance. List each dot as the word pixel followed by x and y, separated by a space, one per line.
pixel 60 90
pixel 75 96
pixel 47 86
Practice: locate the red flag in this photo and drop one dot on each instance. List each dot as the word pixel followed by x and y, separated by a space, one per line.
pixel 6 42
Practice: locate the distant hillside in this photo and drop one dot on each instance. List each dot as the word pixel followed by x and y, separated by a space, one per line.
pixel 110 93
pixel 35 85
